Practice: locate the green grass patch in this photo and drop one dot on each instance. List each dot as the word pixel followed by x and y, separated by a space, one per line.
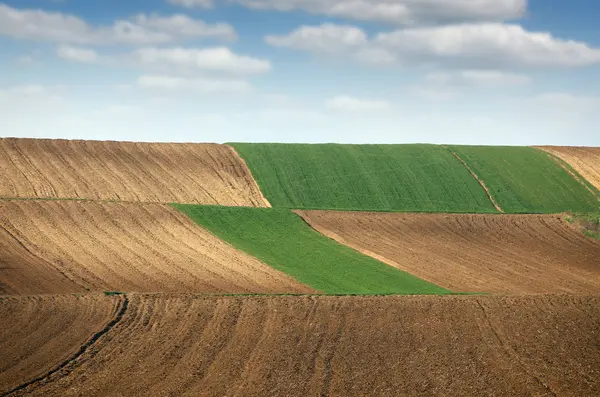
pixel 112 293
pixel 282 239
pixel 589 223
pixel 524 179
pixel 423 178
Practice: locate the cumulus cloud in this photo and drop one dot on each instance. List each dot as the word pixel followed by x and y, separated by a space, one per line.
pixel 143 29
pixel 482 45
pixel 351 104
pixel 182 84
pixel 393 11
pixel 476 78
pixel 217 59
pixel 77 54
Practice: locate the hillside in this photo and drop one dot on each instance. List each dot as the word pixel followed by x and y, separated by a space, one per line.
pixel 336 346
pixel 509 254
pixel 364 177
pixel 70 246
pixel 585 160
pixel 126 171
pixel 284 241
pixel 527 180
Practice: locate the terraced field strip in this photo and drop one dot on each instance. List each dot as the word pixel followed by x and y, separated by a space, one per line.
pixel 126 171
pixel 465 252
pixel 72 246
pixel 585 160
pixel 38 333
pixel 342 346
pixel 364 177
pixel 526 180
pixel 281 239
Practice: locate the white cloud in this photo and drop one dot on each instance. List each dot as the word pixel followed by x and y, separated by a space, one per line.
pixel 396 11
pixel 487 45
pixel 77 54
pixel 327 38
pixel 477 78
pixel 192 3
pixel 351 104
pixel 217 59
pixel 182 84
pixel 142 30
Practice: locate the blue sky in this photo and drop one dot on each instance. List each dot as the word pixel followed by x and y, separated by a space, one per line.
pixel 511 72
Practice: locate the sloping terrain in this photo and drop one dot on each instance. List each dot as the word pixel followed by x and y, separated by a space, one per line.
pixel 527 180
pixel 364 177
pixel 585 160
pixel 72 246
pixel 470 252
pixel 341 346
pixel 40 333
pixel 126 171
pixel 281 239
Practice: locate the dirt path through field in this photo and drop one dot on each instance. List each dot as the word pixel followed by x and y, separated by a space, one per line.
pixel 126 171
pixel 71 246
pixel 473 253
pixel 585 160
pixel 38 333
pixel 264 346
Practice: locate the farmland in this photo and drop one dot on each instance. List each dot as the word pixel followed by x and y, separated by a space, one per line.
pixel 527 180
pixel 364 177
pixel 126 171
pixel 152 269
pixel 70 246
pixel 513 254
pixel 585 160
pixel 282 240
pixel 339 346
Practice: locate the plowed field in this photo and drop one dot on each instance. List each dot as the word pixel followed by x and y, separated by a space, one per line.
pixel 464 252
pixel 72 246
pixel 341 346
pixel 585 160
pixel 126 171
pixel 40 333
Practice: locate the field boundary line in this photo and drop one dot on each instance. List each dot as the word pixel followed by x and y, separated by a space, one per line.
pixel 340 240
pixel 481 182
pixel 245 166
pixel 563 164
pixel 123 303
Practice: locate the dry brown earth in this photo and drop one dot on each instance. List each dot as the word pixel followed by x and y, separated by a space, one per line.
pixel 473 253
pixel 585 160
pixel 126 171
pixel 542 345
pixel 39 333
pixel 73 246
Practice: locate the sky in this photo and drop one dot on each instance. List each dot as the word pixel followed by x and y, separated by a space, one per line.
pixel 484 72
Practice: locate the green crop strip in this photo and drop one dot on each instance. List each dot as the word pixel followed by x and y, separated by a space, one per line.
pixel 281 239
pixel 415 178
pixel 527 180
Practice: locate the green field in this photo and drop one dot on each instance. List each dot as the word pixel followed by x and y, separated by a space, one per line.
pixel 523 179
pixel 364 177
pixel 282 239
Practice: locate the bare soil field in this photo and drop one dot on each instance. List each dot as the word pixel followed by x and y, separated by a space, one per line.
pixel 39 333
pixel 178 345
pixel 518 254
pixel 72 246
pixel 126 171
pixel 585 160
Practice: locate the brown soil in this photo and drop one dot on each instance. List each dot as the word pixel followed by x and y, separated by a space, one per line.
pixel 72 246
pixel 585 160
pixel 126 171
pixel 473 253
pixel 540 345
pixel 39 333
